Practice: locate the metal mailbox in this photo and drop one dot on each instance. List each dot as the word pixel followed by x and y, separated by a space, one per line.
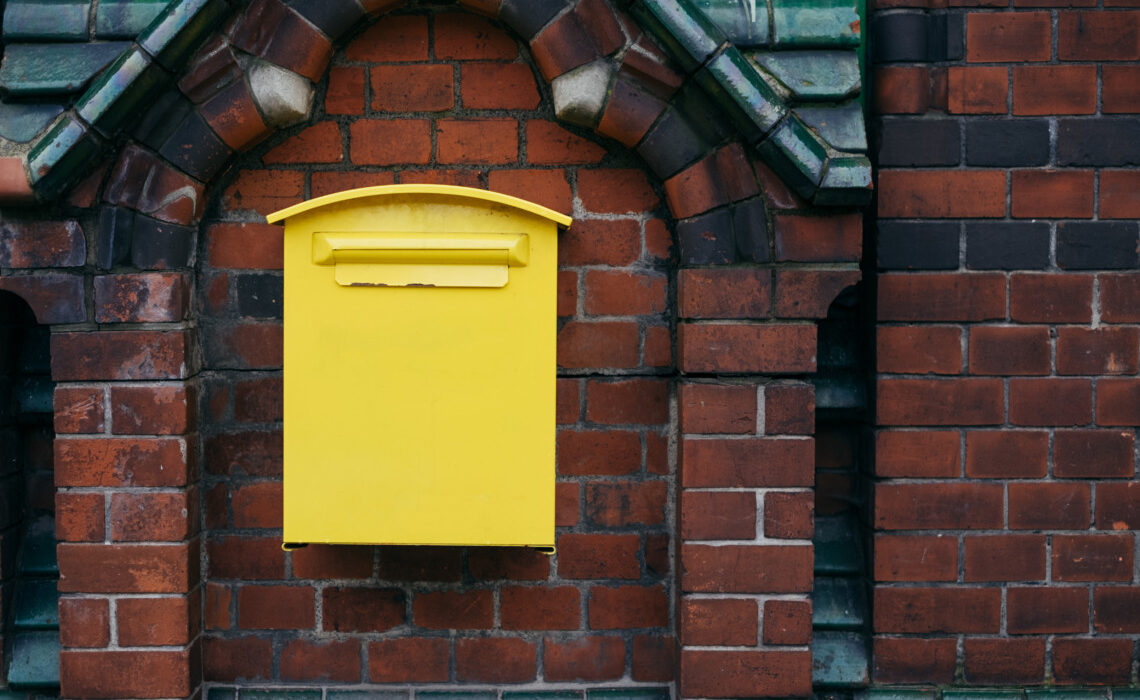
pixel 419 372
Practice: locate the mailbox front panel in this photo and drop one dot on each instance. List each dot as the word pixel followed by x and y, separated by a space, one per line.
pixel 419 372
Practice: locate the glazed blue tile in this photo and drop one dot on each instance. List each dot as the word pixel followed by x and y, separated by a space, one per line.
pixel 179 29
pixel 1126 694
pixel 21 122
pixel 743 23
pixel 366 695
pixel 1067 694
pixel 814 75
pixel 62 154
pixel 841 126
pixel 739 89
pixel 221 694
pixel 628 694
pixel 839 659
pixel 836 545
pixel 35 604
pixel 838 603
pixel 46 20
pixel 120 92
pixel 682 28
pixel 982 694
pixel 279 694
pixel 846 183
pixel 54 69
pixel 456 695
pixel 37 553
pixel 815 24
pixel 35 394
pixel 897 694
pixel 542 695
pixel 116 19
pixel 35 660
pixel 839 389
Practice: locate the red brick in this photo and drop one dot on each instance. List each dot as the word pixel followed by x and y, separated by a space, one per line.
pixel 546 187
pixel 418 88
pixel 276 607
pixel 746 348
pixel 397 38
pixel 916 558
pixel 390 142
pixel 460 178
pixel 1050 298
pixel 219 600
pixel 621 293
pixel 623 607
pixel 919 349
pixel 1010 350
pixel 977 90
pixel 941 297
pixel 1049 90
pixel 328 182
pixel 1063 194
pixel 127 568
pixel 1093 557
pixel 746 568
pixel 345 94
pixel 941 194
pixel 258 400
pixel 583 556
pixel 923 454
pixel 547 143
pixel 245 246
pixel 325 561
pixel 632 401
pixel 1116 610
pixel 787 622
pixel 497 86
pixel 421 564
pixel 1007 454
pixel 250 453
pixel 119 355
pixel 250 345
pixel 227 660
pixel 654 658
pixel 361 609
pixel 724 293
pixel 153 517
pixel 154 621
pixel 236 557
pixel 809 293
pixel 151 410
pixel 818 238
pixel 84 622
pixel 264 191
pixel 597 344
pixel 320 143
pixel 78 409
pixel 568 292
pixel 1119 93
pixel 1083 454
pixel 1119 199
pixel 304 660
pixel 618 504
pixel 1098 36
pixel 33 244
pixel 1049 506
pixel 748 462
pixel 1008 37
pixel 1088 661
pixel 789 515
pixel 616 191
pixel 950 506
pixel 937 610
pixel 541 608
pixel 789 409
pixel 901 90
pixel 1048 402
pixel 462 36
pixel 454 610
pixel 79 517
pixel 138 674
pixel 719 622
pixel 1005 558
pixel 492 140
pixel 745 673
pixel 1118 402
pixel 1118 506
pixel 911 660
pixel 585 659
pixel 1004 661
pixel 1047 610
pixel 938 402
pixel 658 240
pixel 611 452
pixel 718 515
pixel 1098 351
pixel 120 462
pixel 658 347
pixel 600 242
pixel 409 660
pixel 141 297
pixel 495 660
pixel 566 504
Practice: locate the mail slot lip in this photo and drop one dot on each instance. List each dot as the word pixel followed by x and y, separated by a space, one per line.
pixel 423 191
pixel 367 247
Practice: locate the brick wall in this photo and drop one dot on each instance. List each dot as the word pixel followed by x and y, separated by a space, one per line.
pixel 1006 510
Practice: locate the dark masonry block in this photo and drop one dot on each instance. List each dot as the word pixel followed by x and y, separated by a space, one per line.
pixel 527 17
pixel 259 295
pixel 1007 245
pixel 333 17
pixel 919 142
pixel 671 144
pixel 161 245
pixel 1007 142
pixel 1097 245
pixel 750 226
pixel 917 246
pixel 160 121
pixel 1099 142
pixel 955 36
pixel 113 244
pixel 707 239
pixel 195 148
pixel 900 36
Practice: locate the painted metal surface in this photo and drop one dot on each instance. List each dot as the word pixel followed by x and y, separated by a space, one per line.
pixel 419 371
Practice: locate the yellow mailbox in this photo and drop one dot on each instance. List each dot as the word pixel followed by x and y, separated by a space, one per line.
pixel 419 370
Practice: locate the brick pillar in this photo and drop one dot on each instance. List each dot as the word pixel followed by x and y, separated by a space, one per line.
pixel 126 476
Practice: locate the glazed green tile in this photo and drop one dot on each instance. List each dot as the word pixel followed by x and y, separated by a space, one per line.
pixel 628 694
pixel 542 695
pixel 796 154
pixel 841 126
pixel 178 30
pixel 846 183
pixel 65 151
pixel 35 660
pixel 744 23
pixel 21 122
pixel 35 395
pixel 839 659
pixel 37 552
pixel 366 695
pixel 682 28
pixel 36 604
pixel 836 545
pixel 839 389
pixel 1126 694
pixel 815 24
pixel 54 69
pixel 982 694
pixel 457 695
pixel 221 694
pixel 738 89
pixel 1066 694
pixel 897 694
pixel 121 91
pixel 279 694
pixel 126 18
pixel 46 20
pixel 814 75
pixel 838 603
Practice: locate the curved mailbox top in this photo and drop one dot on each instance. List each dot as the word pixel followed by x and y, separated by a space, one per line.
pixel 428 191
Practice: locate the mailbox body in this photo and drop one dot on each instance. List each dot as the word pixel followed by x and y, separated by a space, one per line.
pixel 419 368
